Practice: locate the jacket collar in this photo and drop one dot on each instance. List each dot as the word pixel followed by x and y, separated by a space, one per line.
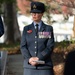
pixel 42 28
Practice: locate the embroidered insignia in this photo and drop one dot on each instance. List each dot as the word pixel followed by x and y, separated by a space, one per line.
pixel 29 31
pixel 34 6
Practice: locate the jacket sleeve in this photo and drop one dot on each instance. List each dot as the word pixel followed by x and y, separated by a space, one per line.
pixel 1 27
pixel 23 46
pixel 49 46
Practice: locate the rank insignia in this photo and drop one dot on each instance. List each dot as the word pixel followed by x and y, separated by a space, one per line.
pixel 34 6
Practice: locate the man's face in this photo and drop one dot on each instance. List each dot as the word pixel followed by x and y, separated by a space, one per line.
pixel 37 16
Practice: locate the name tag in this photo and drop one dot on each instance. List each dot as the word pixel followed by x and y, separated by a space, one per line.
pixel 44 34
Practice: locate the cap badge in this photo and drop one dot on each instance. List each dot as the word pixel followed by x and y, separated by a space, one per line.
pixel 34 6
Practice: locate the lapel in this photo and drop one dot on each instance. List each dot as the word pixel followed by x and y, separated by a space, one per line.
pixel 31 27
pixel 42 27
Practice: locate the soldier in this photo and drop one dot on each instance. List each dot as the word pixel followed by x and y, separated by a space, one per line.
pixel 1 27
pixel 37 44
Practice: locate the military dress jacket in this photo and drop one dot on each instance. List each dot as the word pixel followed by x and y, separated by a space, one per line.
pixel 40 45
pixel 1 27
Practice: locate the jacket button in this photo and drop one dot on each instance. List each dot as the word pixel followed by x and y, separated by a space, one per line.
pixel 35 36
pixel 35 52
pixel 35 46
pixel 35 41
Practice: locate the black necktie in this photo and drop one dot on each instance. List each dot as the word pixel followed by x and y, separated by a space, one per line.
pixel 37 28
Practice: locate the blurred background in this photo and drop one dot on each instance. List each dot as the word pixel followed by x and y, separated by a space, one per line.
pixel 16 15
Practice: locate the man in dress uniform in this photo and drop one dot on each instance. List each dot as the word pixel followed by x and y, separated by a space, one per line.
pixel 1 27
pixel 37 44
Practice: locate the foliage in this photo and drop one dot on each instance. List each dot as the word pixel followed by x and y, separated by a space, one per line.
pixel 7 1
pixel 4 45
pixel 11 48
pixel 72 41
pixel 1 1
pixel 47 14
pixel 62 43
pixel 64 46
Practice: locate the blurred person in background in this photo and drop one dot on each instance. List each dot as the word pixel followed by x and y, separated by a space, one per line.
pixel 69 68
pixel 37 44
pixel 1 27
pixel 1 33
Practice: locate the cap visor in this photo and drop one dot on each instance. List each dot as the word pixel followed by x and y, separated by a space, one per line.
pixel 35 11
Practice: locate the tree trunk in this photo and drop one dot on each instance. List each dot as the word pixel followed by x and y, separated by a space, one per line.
pixel 12 33
pixel 17 34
